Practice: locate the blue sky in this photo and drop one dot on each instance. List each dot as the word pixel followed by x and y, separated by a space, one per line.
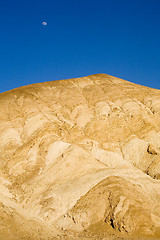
pixel 82 37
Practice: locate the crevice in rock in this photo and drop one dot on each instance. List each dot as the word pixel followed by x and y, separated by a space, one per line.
pixel 111 223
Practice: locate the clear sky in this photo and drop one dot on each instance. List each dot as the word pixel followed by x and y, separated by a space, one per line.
pixel 82 37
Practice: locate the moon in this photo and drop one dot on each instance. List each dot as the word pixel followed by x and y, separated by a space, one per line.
pixel 44 23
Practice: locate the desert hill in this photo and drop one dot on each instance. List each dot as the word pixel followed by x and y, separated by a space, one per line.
pixel 80 159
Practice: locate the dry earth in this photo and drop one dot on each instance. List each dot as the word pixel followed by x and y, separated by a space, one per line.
pixel 80 159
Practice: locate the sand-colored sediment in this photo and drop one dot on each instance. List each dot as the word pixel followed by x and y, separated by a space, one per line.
pixel 80 159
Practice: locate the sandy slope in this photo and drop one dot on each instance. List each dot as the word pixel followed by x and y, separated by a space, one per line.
pixel 80 159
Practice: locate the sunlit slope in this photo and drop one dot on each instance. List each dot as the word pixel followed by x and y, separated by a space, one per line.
pixel 77 152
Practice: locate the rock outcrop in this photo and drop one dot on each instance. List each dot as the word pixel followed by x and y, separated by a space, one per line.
pixel 78 155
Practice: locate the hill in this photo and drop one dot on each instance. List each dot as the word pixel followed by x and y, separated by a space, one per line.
pixel 80 159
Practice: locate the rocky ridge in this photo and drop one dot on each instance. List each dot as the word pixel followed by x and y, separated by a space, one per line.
pixel 78 155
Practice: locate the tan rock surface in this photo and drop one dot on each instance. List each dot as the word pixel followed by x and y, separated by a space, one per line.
pixel 80 159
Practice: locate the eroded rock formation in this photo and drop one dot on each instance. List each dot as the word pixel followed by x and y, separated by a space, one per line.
pixel 80 159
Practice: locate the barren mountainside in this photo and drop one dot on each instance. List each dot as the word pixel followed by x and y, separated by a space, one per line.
pixel 80 159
